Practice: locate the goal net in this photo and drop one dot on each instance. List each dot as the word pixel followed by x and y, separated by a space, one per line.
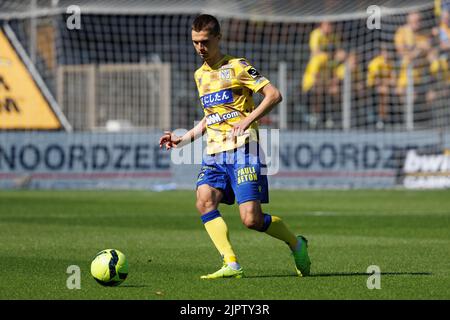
pixel 365 87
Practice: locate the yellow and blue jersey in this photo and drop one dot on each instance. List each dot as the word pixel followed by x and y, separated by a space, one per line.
pixel 225 91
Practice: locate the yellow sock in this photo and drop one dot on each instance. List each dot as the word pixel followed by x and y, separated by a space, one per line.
pixel 218 232
pixel 276 228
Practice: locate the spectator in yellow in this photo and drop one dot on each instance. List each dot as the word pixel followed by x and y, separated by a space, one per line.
pixel 342 61
pixel 438 80
pixel 440 6
pixel 438 67
pixel 380 82
pixel 444 31
pixel 319 43
pixel 338 65
pixel 437 8
pixel 317 73
pixel 411 47
pixel 351 61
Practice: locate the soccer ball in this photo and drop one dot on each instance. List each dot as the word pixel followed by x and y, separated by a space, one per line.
pixel 109 267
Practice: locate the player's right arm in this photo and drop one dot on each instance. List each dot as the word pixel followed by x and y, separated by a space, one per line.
pixel 171 140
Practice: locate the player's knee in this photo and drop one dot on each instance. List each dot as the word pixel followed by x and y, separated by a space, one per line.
pixel 205 205
pixel 252 216
pixel 253 222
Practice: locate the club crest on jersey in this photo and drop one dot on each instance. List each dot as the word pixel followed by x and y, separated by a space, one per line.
pixel 225 74
pixel 216 98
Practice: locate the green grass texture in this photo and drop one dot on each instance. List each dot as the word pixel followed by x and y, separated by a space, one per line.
pixel 405 233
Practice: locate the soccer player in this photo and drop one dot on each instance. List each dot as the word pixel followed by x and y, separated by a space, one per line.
pixel 232 169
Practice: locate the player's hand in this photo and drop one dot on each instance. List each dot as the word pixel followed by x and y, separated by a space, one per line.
pixel 170 140
pixel 240 127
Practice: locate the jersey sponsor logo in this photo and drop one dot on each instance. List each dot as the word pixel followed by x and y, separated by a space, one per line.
pixel 216 98
pixel 213 118
pixel 253 73
pixel 216 118
pixel 230 115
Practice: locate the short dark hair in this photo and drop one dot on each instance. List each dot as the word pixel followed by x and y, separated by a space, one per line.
pixel 206 22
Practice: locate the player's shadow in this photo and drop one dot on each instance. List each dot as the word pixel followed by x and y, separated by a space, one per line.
pixel 355 274
pixel 343 274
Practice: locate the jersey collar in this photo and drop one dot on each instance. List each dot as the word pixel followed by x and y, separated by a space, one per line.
pixel 217 64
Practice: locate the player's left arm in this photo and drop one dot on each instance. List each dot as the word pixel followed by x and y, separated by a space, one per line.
pixel 272 97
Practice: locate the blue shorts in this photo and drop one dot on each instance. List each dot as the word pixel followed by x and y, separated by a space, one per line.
pixel 237 173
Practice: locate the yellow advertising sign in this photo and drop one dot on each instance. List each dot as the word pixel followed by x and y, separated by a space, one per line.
pixel 22 103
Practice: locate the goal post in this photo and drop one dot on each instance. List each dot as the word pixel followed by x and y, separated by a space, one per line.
pixel 329 91
pixel 362 84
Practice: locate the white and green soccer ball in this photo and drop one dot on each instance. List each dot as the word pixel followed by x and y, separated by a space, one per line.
pixel 109 267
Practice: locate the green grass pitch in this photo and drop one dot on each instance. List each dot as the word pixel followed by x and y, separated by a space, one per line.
pixel 405 233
